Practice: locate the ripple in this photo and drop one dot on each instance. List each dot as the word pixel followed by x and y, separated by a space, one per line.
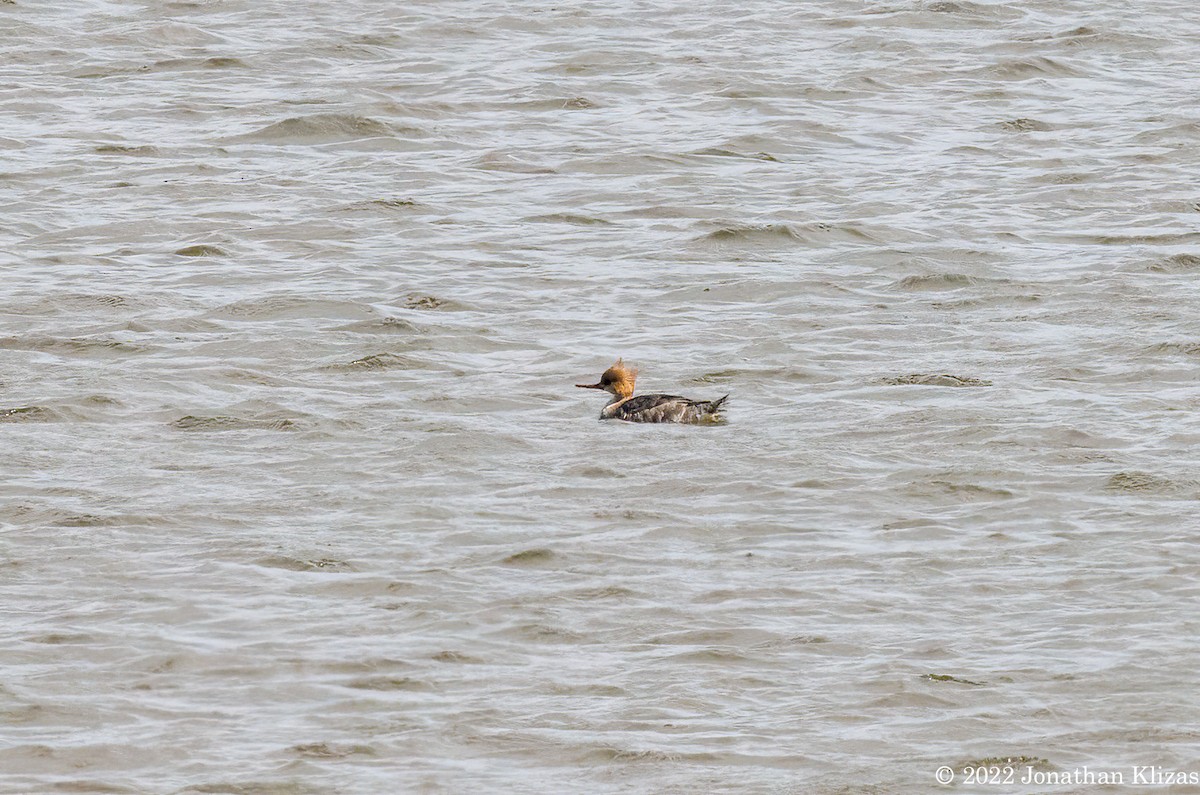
pixel 503 162
pixel 222 422
pixel 383 361
pixel 936 281
pixel 289 307
pixel 304 564
pixel 390 683
pixel 568 218
pixel 1025 125
pixel 384 325
pixel 1180 348
pixel 27 414
pixel 324 128
pixel 332 751
pixel 201 250
pixel 1136 482
pixel 432 302
pixel 186 64
pixel 530 557
pixel 143 150
pixel 1176 263
pixel 952 679
pixel 720 152
pixel 85 346
pixel 935 379
pixel 1031 68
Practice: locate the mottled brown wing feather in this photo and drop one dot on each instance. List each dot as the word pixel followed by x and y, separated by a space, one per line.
pixel 641 403
pixel 667 408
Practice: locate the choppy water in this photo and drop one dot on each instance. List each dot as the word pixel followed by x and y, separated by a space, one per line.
pixel 298 496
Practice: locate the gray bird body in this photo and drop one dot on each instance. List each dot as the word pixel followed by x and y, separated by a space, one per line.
pixel 663 408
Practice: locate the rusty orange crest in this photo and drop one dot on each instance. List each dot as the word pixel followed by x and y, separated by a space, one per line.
pixel 618 380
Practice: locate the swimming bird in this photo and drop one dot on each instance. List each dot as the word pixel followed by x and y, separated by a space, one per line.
pixel 618 381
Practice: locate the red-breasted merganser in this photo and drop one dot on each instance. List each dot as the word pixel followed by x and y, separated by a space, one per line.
pixel 618 382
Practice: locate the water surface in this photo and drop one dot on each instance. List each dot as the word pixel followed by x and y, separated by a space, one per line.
pixel 298 496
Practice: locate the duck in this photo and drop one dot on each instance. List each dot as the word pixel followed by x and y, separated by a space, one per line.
pixel 619 380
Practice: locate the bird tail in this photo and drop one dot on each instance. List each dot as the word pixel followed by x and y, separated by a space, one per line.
pixel 715 405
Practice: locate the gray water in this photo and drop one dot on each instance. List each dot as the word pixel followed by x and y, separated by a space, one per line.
pixel 297 494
